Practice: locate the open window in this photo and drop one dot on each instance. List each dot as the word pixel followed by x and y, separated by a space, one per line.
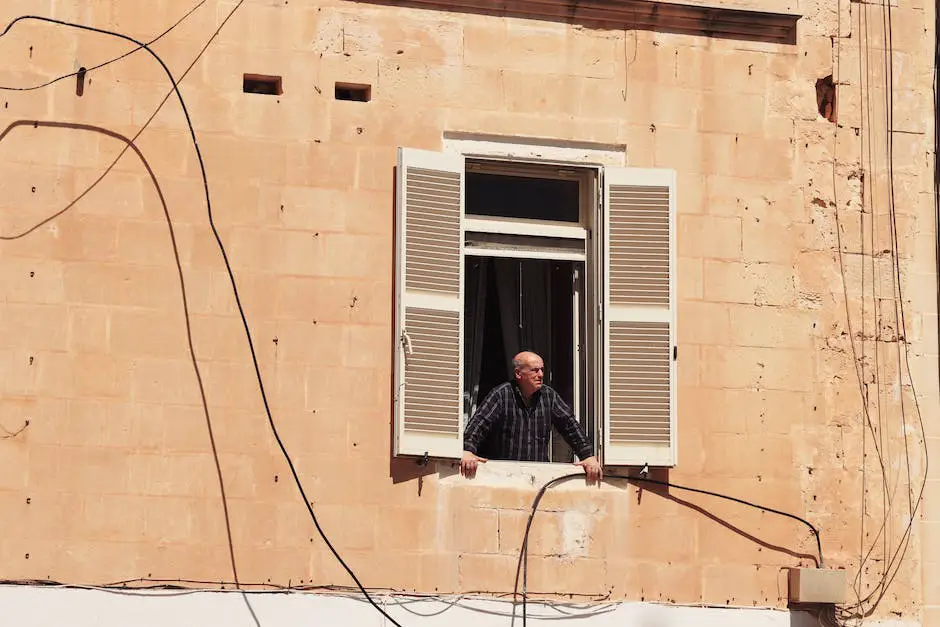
pixel 526 249
pixel 569 261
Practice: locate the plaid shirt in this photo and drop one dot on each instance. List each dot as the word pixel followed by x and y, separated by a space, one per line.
pixel 513 430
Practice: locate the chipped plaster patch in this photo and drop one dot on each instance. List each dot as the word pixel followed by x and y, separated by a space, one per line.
pixel 576 528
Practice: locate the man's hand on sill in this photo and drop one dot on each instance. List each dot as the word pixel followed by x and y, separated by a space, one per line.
pixel 592 468
pixel 468 464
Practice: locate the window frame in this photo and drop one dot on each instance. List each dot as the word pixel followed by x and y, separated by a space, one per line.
pixel 589 178
pixel 596 158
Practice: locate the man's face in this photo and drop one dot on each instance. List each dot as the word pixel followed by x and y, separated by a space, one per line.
pixel 529 376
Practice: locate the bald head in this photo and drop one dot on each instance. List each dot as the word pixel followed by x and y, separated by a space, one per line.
pixel 524 358
pixel 528 370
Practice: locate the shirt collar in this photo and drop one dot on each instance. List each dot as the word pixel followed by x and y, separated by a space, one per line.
pixel 521 399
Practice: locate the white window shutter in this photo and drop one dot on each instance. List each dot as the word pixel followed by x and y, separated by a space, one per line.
pixel 429 304
pixel 639 317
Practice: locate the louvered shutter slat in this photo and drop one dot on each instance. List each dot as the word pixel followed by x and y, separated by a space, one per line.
pixel 639 323
pixel 429 320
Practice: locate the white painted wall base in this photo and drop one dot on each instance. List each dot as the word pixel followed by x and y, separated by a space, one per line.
pixel 28 606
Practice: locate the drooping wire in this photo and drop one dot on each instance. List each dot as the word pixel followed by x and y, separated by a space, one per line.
pixel 523 564
pixel 129 144
pixel 132 140
pixel 893 563
pixel 186 314
pixel 108 62
pixel 877 434
pixel 232 280
pixel 936 154
pixel 857 360
pixel 914 504
pixel 7 434
pixel 160 588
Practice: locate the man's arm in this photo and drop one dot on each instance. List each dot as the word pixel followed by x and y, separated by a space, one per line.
pixel 482 421
pixel 478 427
pixel 564 420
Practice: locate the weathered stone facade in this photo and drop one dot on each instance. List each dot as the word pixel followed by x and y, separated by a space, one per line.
pixel 788 311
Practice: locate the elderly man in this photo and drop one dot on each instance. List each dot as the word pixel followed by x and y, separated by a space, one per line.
pixel 517 418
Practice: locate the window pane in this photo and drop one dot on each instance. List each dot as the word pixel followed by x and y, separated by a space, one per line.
pixel 522 197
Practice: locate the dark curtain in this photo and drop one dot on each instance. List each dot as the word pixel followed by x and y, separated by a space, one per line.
pixel 524 288
pixel 521 314
pixel 508 308
pixel 475 318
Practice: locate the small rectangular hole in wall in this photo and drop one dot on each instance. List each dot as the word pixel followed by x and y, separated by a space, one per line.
pixel 354 92
pixel 262 84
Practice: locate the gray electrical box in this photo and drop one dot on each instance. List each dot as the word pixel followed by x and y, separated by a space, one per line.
pixel 816 585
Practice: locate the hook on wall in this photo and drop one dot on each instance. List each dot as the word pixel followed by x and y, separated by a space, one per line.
pixel 80 81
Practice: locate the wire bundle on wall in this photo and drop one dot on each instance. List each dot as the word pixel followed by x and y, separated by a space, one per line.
pixel 866 604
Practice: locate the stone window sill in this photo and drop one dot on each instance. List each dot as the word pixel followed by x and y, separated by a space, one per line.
pixel 508 474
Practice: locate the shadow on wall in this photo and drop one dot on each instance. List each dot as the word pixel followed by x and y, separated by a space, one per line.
pixel 630 14
pixel 663 491
pixel 25 232
pixel 767 545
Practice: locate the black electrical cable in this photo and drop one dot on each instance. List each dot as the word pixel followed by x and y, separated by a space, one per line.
pixel 876 434
pixel 864 94
pixel 936 155
pixel 898 554
pixel 221 585
pixel 12 434
pixel 894 562
pixel 936 149
pixel 104 63
pixel 523 563
pixel 129 144
pixel 882 532
pixel 127 141
pixel 867 605
pixel 160 588
pixel 231 276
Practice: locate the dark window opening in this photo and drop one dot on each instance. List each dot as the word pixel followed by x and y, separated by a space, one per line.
pixel 353 92
pixel 262 84
pixel 509 196
pixel 512 305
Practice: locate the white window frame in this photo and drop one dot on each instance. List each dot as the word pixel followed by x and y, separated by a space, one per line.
pixel 588 177
pixel 543 151
pixel 575 155
pixel 522 226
